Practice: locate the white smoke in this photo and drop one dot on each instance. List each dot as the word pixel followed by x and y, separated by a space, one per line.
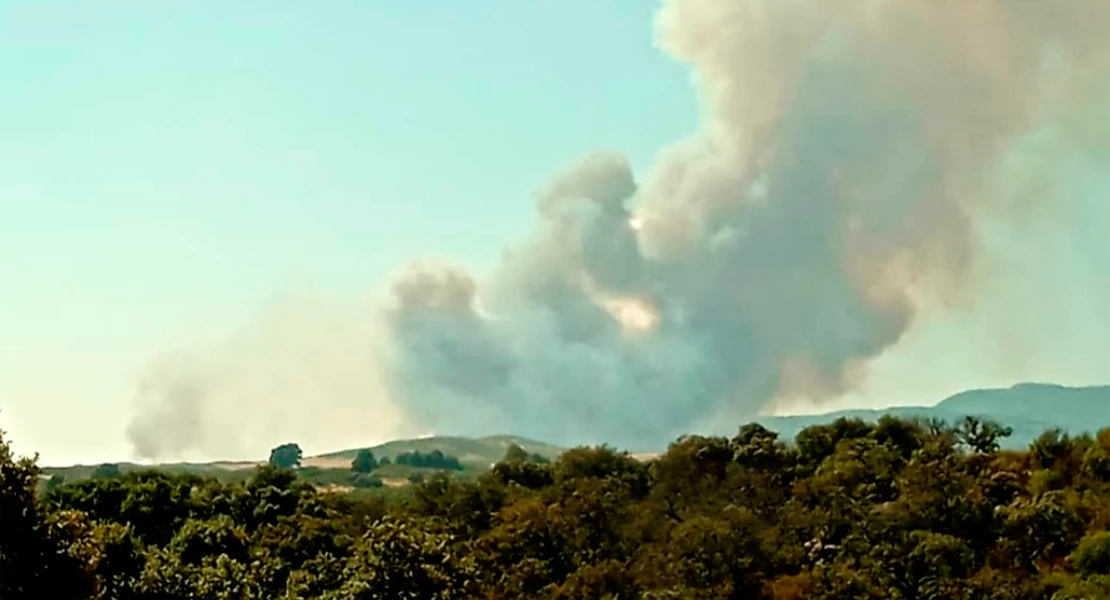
pixel 848 149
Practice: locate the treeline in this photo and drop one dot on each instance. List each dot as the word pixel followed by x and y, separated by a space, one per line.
pixel 895 509
pixel 288 456
pixel 434 459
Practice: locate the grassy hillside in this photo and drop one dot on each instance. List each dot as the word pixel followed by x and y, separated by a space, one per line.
pixel 333 469
pixel 223 471
pixel 476 452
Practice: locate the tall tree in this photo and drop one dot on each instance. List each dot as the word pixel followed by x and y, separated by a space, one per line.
pixel 364 462
pixel 34 560
pixel 286 456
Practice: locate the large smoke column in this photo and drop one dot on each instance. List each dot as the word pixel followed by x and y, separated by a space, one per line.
pixel 847 151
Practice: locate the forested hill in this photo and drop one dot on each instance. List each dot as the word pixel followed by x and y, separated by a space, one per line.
pixel 1028 408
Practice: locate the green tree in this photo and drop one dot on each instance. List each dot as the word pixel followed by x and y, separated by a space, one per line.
pixel 118 561
pixel 600 462
pixel 902 435
pixel 1040 530
pixel 756 447
pixel 516 453
pixel 405 559
pixel 55 482
pixel 36 560
pixel 981 435
pixel 711 557
pixel 1050 447
pixel 199 539
pixel 1096 461
pixel 364 462
pixel 1092 556
pixel 899 509
pixel 106 471
pixel 286 456
pixel 435 459
pixel 271 494
pixel 817 442
pixel 526 474
pixel 153 504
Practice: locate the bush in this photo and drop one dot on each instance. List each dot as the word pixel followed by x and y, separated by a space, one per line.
pixel 366 481
pixel 435 459
pixel 1092 555
pixel 106 471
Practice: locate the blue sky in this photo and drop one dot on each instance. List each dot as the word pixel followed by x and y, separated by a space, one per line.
pixel 166 168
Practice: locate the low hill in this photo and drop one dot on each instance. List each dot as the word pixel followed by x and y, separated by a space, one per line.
pixel 476 452
pixel 1028 408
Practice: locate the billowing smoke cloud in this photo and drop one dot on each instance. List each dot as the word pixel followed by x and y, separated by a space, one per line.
pixel 847 152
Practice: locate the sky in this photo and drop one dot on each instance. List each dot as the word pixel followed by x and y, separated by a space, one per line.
pixel 168 169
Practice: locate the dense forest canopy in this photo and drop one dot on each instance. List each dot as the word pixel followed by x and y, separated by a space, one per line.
pixel 895 509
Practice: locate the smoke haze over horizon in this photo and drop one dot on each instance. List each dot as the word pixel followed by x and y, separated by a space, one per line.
pixel 859 170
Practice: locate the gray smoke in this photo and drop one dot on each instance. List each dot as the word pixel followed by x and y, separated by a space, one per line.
pixel 302 371
pixel 169 394
pixel 847 151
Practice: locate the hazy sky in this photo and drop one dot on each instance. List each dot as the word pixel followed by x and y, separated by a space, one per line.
pixel 166 169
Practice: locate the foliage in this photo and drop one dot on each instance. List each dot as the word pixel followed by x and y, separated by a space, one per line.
pixel 895 509
pixel 980 435
pixel 435 459
pixel 364 462
pixel 515 453
pixel 106 471
pixel 36 556
pixel 1092 556
pixel 366 481
pixel 286 456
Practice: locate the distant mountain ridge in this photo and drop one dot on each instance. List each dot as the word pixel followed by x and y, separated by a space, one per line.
pixel 1028 408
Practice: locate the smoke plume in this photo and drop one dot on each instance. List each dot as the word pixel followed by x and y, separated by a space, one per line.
pixel 302 370
pixel 847 151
